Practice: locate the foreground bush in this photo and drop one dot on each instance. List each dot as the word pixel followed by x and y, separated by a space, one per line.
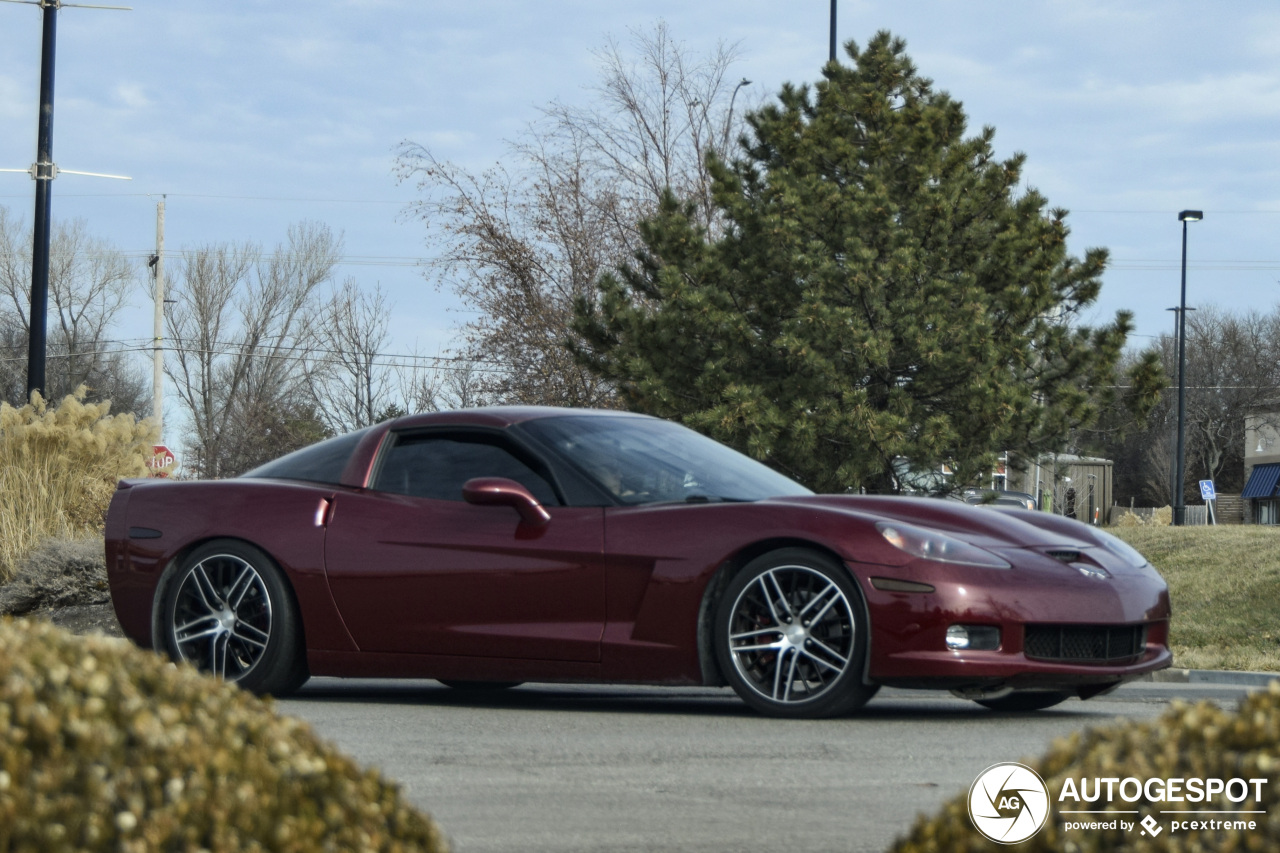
pixel 1188 741
pixel 58 467
pixel 106 747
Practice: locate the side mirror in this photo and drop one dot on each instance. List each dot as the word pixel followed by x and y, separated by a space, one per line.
pixel 499 491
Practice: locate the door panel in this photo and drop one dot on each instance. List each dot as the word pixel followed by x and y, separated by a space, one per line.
pixel 443 577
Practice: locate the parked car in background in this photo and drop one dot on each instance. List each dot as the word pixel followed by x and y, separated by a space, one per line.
pixel 999 497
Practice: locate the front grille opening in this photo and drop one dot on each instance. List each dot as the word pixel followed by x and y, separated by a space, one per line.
pixel 1066 555
pixel 1102 644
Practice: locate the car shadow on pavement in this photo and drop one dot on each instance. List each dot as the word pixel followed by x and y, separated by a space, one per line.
pixel 613 699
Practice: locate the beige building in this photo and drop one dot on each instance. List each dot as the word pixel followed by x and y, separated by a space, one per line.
pixel 1261 468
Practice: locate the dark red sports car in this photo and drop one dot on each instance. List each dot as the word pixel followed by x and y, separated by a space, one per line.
pixel 495 546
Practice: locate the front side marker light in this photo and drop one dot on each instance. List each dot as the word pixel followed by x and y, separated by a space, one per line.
pixel 898 585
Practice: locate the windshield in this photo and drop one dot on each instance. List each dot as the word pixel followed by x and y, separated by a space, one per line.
pixel 646 460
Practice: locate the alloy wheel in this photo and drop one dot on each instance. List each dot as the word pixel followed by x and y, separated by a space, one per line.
pixel 791 634
pixel 222 616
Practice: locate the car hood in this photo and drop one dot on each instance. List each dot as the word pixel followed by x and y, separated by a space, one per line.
pixel 997 529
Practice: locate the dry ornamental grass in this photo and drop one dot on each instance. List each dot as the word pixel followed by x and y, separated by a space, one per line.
pixel 58 468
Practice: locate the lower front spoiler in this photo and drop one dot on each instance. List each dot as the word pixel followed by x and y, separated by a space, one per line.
pixel 995 672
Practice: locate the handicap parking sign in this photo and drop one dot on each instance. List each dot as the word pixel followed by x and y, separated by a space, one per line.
pixel 1206 490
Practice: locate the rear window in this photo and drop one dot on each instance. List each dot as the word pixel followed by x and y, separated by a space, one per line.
pixel 319 463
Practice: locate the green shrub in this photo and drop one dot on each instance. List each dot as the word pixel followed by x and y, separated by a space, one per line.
pixel 106 747
pixel 1188 741
pixel 58 468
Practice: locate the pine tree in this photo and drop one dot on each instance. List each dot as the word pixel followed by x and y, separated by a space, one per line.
pixel 883 290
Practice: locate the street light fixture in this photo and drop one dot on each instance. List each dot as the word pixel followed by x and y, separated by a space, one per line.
pixel 832 56
pixel 1179 498
pixel 728 122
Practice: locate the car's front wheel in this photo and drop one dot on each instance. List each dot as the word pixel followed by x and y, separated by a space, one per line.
pixel 228 610
pixel 790 638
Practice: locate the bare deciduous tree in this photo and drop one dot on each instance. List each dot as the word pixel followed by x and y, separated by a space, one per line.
pixel 1232 370
pixel 350 379
pixel 241 325
pixel 90 282
pixel 519 244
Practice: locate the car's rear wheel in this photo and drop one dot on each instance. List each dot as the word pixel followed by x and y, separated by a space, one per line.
pixel 790 637
pixel 1025 700
pixel 229 611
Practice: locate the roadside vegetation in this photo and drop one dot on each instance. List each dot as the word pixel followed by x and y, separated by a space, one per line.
pixel 58 467
pixel 1224 584
pixel 1187 742
pixel 105 747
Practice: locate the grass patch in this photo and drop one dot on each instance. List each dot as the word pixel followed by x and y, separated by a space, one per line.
pixel 1224 585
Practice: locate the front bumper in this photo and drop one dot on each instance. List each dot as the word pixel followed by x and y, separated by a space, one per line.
pixel 908 645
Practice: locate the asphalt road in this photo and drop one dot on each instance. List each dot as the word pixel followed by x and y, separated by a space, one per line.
pixel 568 768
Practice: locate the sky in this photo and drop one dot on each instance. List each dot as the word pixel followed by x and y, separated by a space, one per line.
pixel 250 116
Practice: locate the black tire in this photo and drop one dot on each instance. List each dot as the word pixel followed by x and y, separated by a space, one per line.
pixel 456 684
pixel 1025 700
pixel 229 611
pixel 790 636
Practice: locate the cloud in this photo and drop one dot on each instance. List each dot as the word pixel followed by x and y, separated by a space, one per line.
pixel 1242 96
pixel 132 96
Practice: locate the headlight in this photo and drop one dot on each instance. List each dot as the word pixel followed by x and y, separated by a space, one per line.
pixel 932 545
pixel 1120 548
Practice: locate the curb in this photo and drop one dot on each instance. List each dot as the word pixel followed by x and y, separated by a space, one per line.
pixel 1211 676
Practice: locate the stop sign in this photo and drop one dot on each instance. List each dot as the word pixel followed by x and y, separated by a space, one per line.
pixel 161 457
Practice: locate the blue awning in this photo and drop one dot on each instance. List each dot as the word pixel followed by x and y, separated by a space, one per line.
pixel 1262 481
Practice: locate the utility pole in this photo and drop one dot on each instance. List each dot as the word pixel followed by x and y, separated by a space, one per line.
pixel 44 171
pixel 157 354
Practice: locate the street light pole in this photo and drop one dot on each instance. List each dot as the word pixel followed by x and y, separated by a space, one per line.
pixel 1179 498
pixel 43 172
pixel 832 56
pixel 1173 428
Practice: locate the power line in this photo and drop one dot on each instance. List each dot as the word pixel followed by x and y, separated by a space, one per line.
pixel 345 260
pixel 233 198
pixel 296 353
pixel 1127 264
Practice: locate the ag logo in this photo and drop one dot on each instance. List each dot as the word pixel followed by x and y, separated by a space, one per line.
pixel 1008 803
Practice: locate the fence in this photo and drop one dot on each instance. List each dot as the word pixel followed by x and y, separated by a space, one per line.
pixel 1197 515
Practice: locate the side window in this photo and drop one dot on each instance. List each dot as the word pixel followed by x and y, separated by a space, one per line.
pixel 436 466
